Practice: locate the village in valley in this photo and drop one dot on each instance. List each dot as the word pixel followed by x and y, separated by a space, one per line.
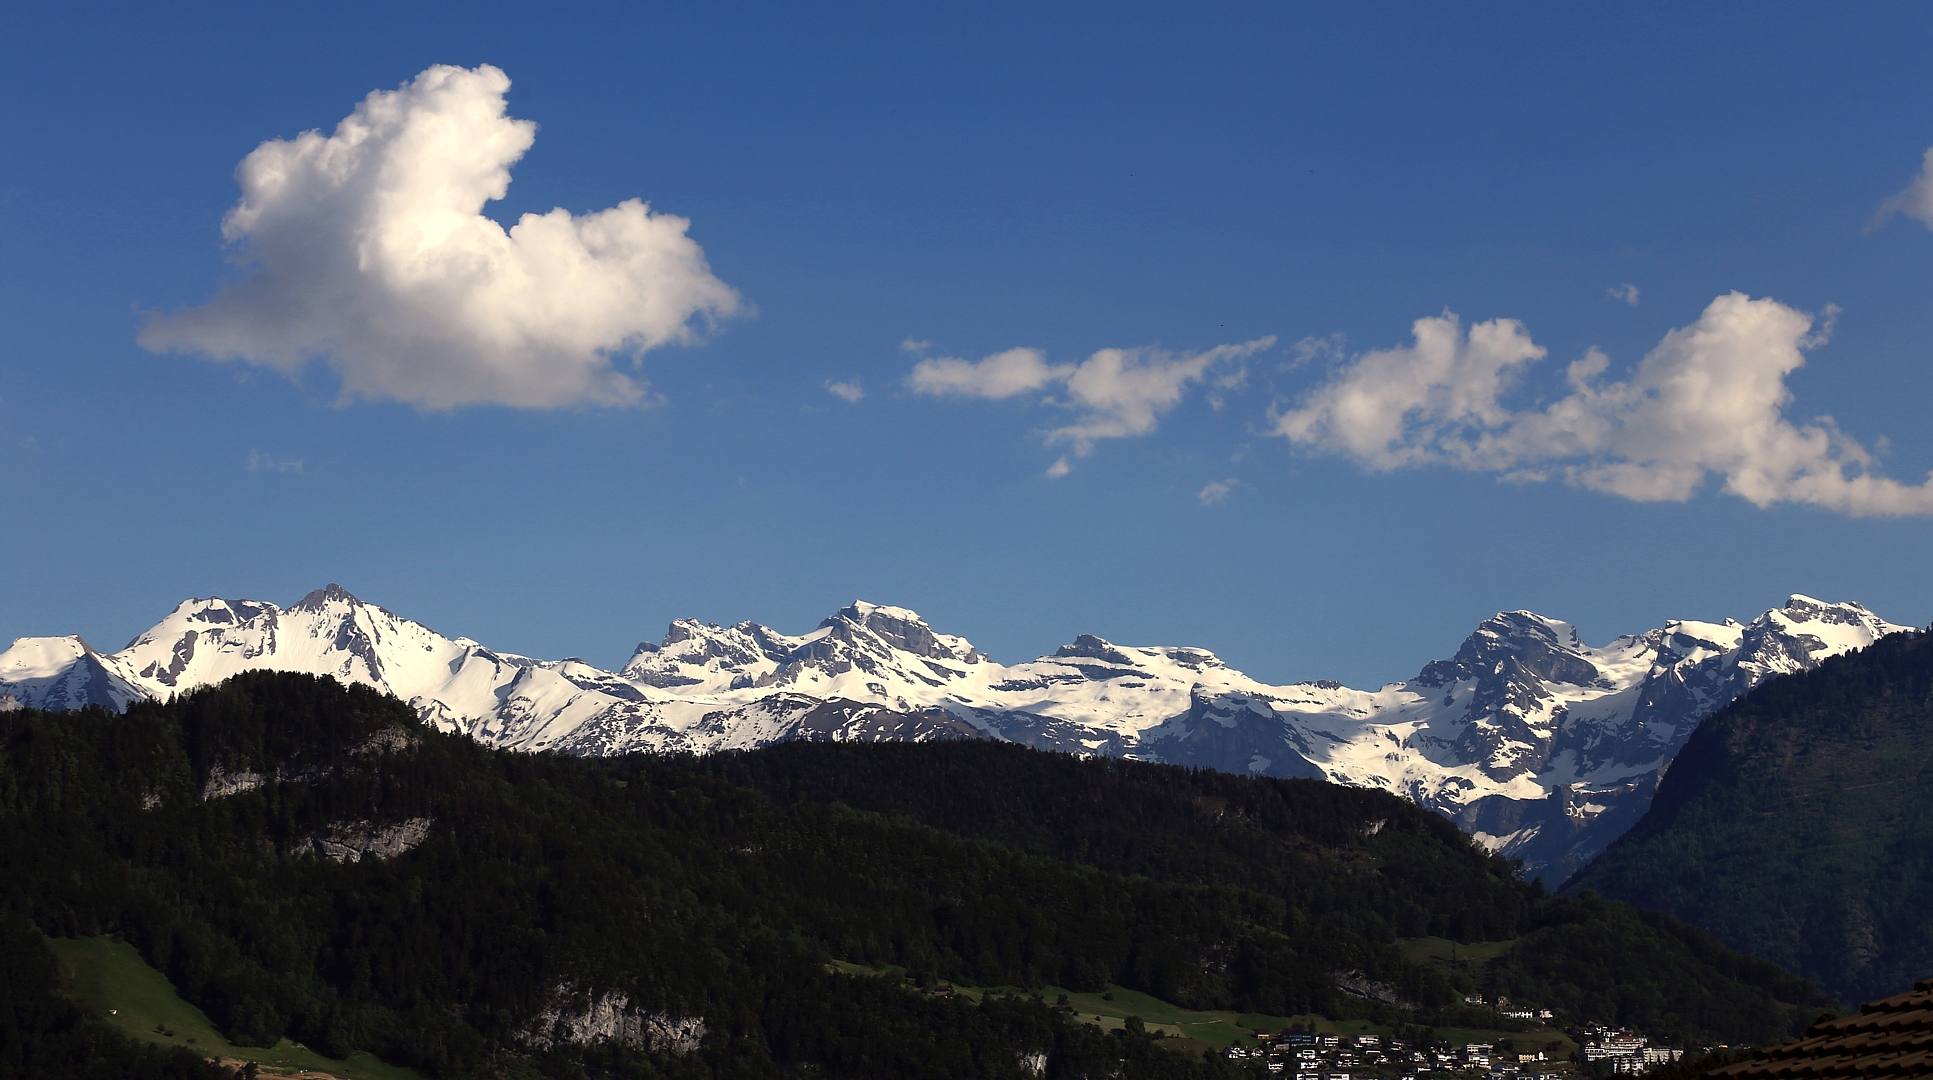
pixel 1535 1055
pixel 1521 1042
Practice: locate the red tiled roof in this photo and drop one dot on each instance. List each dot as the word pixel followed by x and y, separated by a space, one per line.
pixel 1892 1037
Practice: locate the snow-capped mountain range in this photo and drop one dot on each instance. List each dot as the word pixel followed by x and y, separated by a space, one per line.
pixel 1534 742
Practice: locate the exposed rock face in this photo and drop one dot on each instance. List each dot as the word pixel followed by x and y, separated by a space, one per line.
pixel 387 741
pixel 1539 745
pixel 223 782
pixel 1362 986
pixel 578 1020
pixel 352 841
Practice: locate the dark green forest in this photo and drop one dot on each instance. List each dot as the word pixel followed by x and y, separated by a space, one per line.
pixel 1797 824
pixel 720 889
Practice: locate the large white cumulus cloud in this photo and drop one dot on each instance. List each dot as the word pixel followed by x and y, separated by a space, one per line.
pixel 1709 399
pixel 370 250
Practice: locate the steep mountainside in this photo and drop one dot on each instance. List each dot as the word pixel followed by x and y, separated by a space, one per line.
pixel 307 860
pixel 1797 824
pixel 1538 744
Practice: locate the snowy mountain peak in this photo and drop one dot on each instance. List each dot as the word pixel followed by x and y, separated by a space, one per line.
pixel 904 630
pixel 1804 612
pixel 1515 645
pixel 1802 608
pixel 695 653
pixel 62 673
pixel 861 611
pixel 862 651
pixel 328 632
pixel 1803 632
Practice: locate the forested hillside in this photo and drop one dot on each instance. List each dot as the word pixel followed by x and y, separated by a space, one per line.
pixel 307 860
pixel 1797 824
pixel 1366 863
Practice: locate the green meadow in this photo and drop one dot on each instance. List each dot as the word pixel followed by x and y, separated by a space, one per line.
pixel 1191 1031
pixel 110 978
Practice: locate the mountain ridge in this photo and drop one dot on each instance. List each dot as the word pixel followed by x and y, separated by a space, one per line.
pixel 1795 825
pixel 1542 747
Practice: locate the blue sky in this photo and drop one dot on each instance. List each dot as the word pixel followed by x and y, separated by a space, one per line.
pixel 883 197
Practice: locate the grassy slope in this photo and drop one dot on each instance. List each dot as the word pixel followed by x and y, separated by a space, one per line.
pixel 1454 954
pixel 1193 1030
pixel 111 978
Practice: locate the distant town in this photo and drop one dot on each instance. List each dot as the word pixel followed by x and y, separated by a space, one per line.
pixel 1311 1055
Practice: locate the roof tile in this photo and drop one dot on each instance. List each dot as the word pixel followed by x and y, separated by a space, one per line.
pixel 1891 1037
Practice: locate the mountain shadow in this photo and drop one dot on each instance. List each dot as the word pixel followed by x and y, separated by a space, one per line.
pixel 1797 824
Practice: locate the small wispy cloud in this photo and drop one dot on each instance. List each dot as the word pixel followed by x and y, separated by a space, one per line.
pixel 1001 375
pixel 1311 349
pixel 1915 202
pixel 1059 468
pixel 1626 292
pixel 846 391
pixel 1216 491
pixel 915 348
pixel 260 462
pixel 1114 393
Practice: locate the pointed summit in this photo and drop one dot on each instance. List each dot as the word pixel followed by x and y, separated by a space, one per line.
pixel 331 593
pixel 1094 648
pixel 1515 642
pixel 900 628
pixel 63 673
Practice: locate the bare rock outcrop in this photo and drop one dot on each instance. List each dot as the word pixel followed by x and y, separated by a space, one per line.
pixel 350 841
pixel 577 1020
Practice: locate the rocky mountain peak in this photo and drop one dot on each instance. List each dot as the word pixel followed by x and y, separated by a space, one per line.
pixel 1510 645
pixel 899 628
pixel 322 598
pixel 1801 608
pixel 680 630
pixel 693 651
pixel 1803 632
pixel 1087 646
pixel 215 611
